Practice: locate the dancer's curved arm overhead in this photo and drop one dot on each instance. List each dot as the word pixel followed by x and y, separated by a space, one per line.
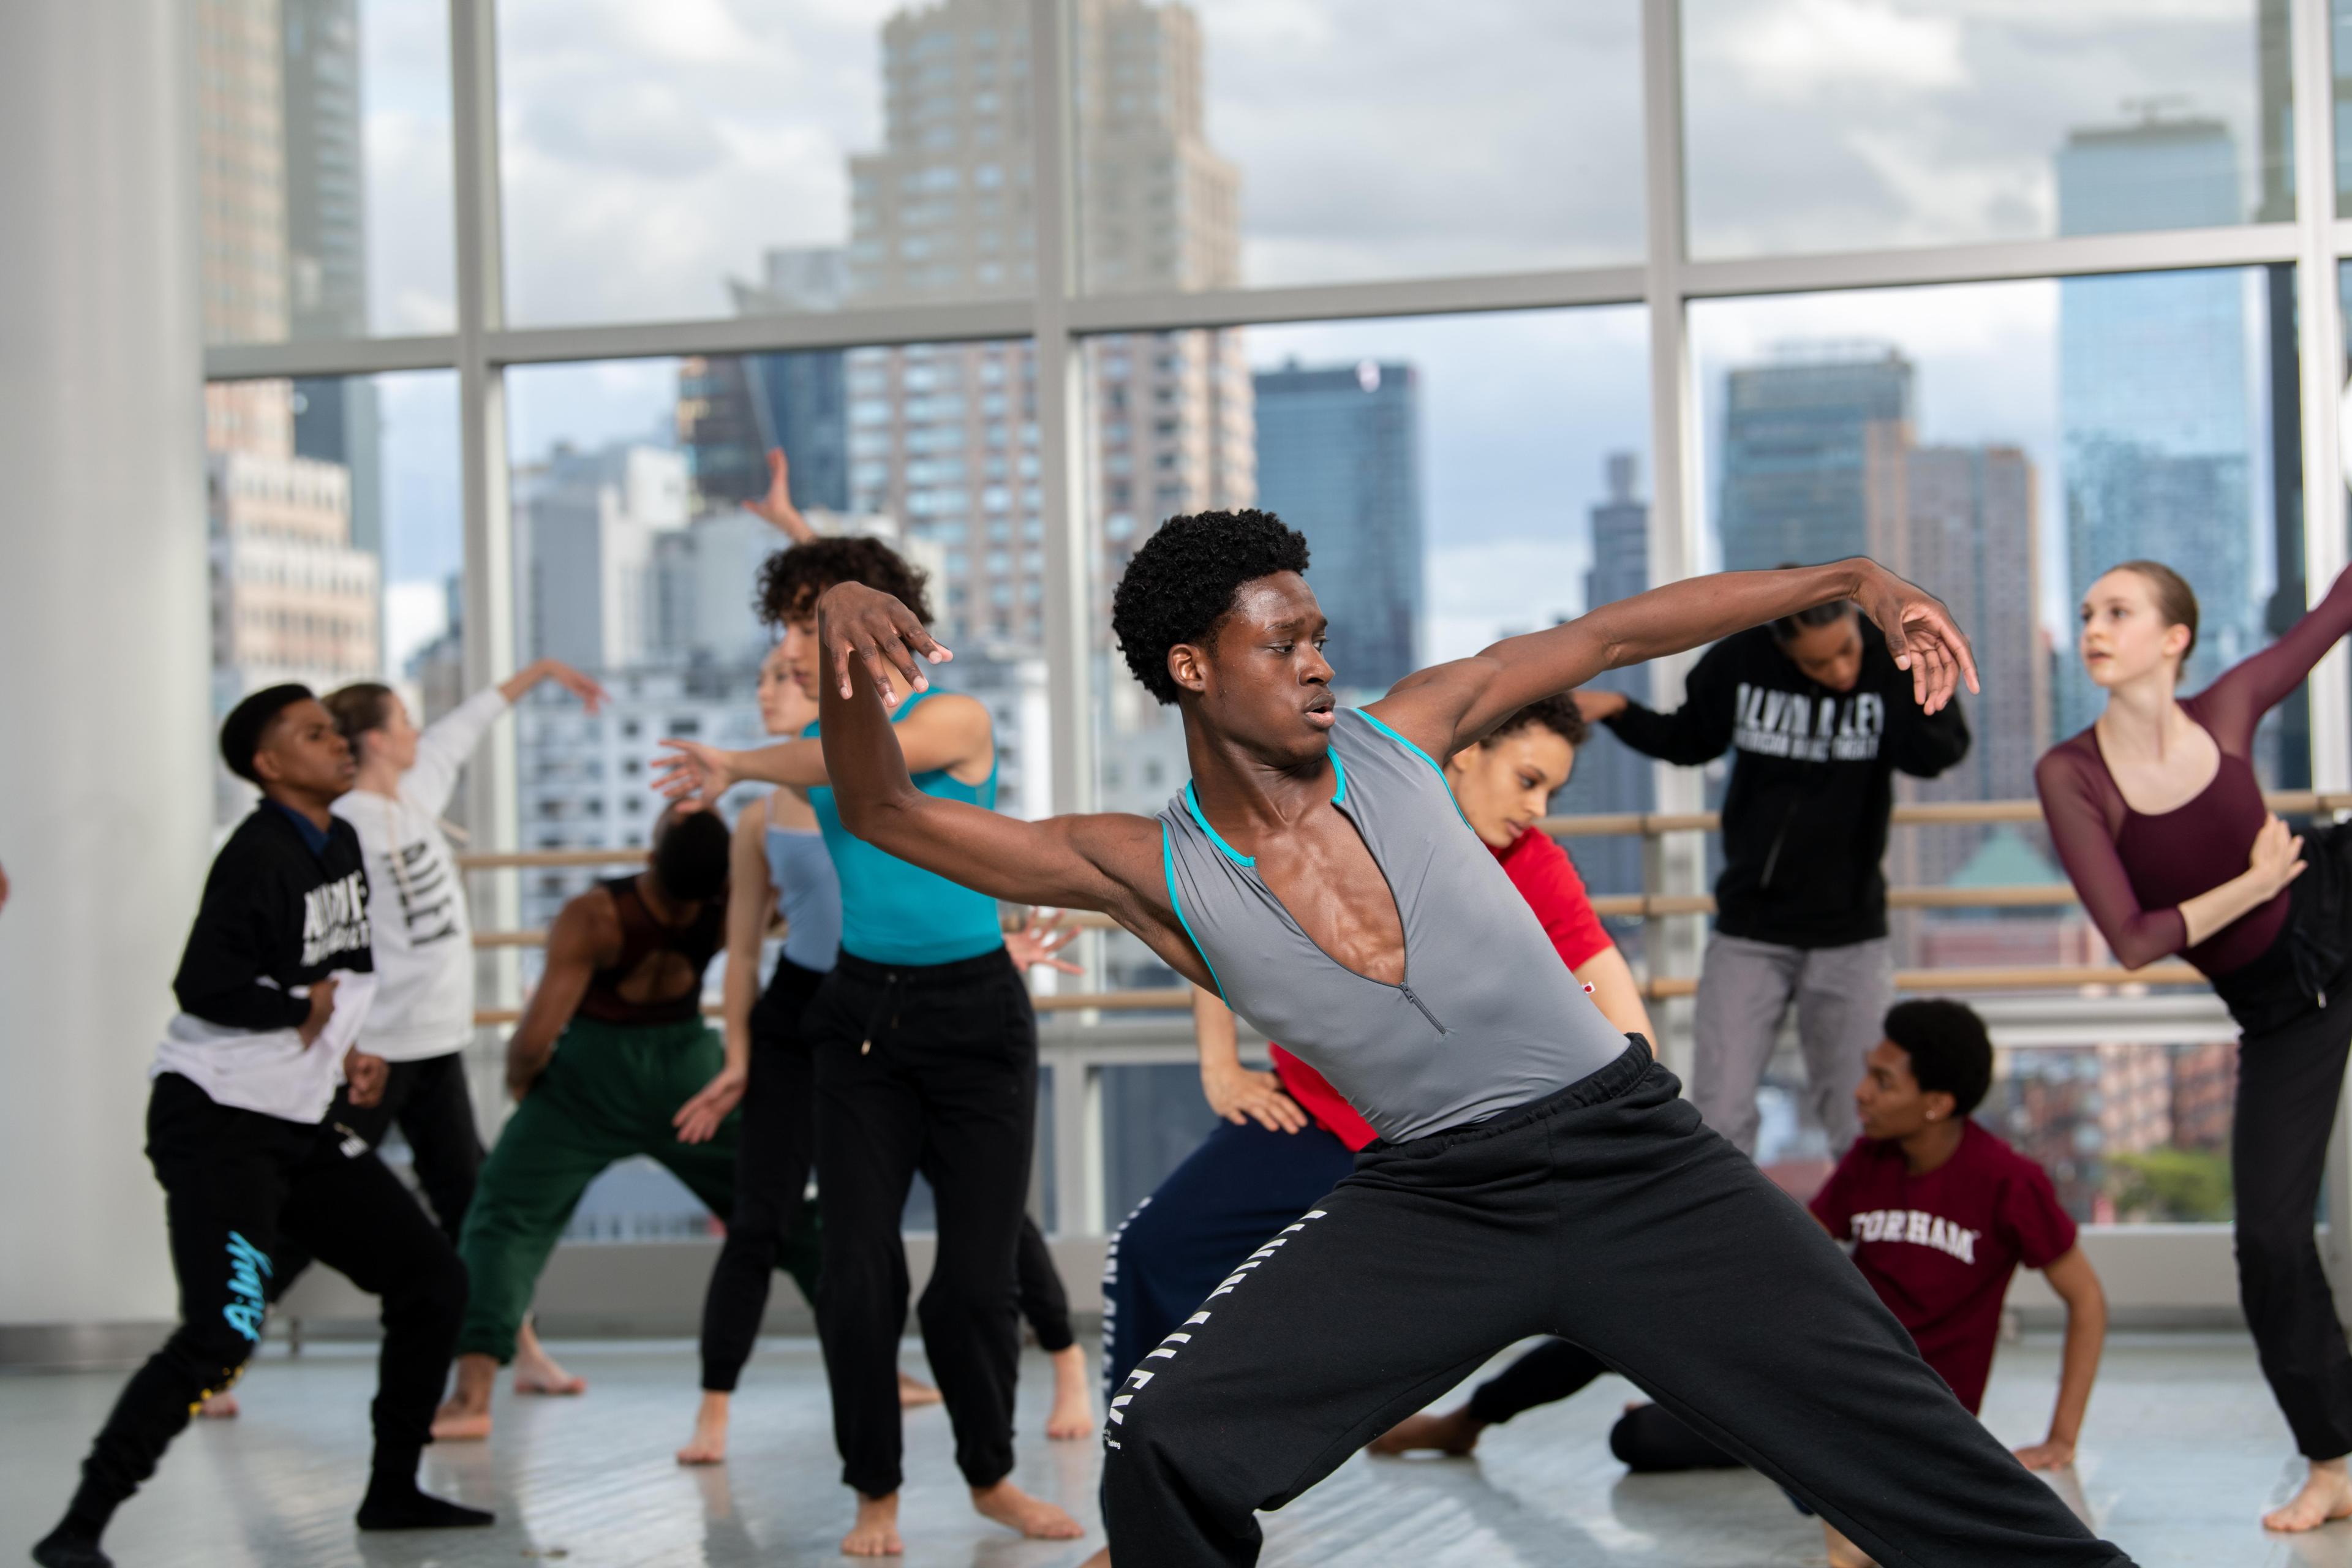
pixel 1450 705
pixel 1111 862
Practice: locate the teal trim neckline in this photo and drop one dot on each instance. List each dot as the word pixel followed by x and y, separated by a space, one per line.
pixel 1374 721
pixel 1193 805
pixel 1339 796
pixel 1167 860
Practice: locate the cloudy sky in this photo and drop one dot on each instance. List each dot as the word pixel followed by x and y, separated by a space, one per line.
pixel 651 151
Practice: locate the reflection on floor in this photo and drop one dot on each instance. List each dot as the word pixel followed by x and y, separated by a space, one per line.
pixel 2184 1451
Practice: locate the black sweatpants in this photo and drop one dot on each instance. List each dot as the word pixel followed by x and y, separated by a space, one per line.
pixel 1647 1439
pixel 929 1069
pixel 772 1172
pixel 428 1101
pixel 238 1187
pixel 1606 1214
pixel 2290 1081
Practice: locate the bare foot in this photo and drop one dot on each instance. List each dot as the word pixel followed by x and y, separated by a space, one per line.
pixel 1455 1433
pixel 1035 1517
pixel 876 1533
pixel 1100 1560
pixel 465 1416
pixel 536 1371
pixel 709 1444
pixel 1073 1414
pixel 1844 1553
pixel 2326 1494
pixel 914 1393
pixel 221 1406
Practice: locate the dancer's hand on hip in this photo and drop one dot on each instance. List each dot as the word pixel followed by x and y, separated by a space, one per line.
pixel 364 1076
pixel 1242 1095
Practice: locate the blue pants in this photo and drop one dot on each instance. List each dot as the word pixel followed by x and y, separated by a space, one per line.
pixel 1239 1187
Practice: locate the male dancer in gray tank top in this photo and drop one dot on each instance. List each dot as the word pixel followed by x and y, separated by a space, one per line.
pixel 1535 1173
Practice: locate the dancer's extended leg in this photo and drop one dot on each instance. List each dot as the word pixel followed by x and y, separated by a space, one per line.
pixel 1609 1213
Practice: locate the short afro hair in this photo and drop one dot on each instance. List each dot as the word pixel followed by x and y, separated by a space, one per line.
pixel 249 723
pixel 1556 713
pixel 1184 580
pixel 791 581
pixel 1948 1047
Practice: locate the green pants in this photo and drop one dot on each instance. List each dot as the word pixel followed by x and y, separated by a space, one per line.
pixel 608 1093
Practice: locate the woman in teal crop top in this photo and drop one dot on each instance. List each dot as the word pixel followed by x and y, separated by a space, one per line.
pixel 924 1047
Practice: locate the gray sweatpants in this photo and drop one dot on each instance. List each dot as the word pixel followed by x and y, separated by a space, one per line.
pixel 1744 987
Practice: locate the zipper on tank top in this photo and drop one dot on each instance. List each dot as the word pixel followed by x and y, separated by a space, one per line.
pixel 1425 1012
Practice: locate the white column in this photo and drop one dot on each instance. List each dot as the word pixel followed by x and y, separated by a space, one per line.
pixel 106 771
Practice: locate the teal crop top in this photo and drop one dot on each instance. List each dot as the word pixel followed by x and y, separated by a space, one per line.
pixel 893 912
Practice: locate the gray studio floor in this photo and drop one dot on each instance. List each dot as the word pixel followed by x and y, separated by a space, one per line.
pixel 2184 1450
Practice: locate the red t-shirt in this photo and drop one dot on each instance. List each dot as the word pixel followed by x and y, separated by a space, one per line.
pixel 1546 878
pixel 1939 1249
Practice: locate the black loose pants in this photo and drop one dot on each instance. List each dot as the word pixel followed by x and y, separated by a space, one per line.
pixel 2290 1079
pixel 428 1100
pixel 772 1220
pixel 1647 1439
pixel 238 1188
pixel 1608 1214
pixel 932 1068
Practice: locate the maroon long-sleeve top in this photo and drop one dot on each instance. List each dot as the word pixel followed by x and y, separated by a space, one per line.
pixel 2134 870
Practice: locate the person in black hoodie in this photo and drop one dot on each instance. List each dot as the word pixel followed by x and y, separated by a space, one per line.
pixel 1820 720
pixel 276 976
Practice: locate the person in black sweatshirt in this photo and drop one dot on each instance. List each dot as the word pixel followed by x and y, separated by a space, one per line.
pixel 1818 722
pixel 272 986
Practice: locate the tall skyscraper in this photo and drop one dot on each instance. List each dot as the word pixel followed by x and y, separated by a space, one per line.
pixel 1794 451
pixel 944 436
pixel 1339 459
pixel 586 530
pixel 292 599
pixel 1609 776
pixel 296 582
pixel 2152 387
pixel 1963 522
pixel 335 417
pixel 732 408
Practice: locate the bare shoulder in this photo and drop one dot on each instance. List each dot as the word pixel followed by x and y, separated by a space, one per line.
pixel 588 926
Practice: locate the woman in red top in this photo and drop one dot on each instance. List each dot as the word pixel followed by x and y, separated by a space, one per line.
pixel 1287 1137
pixel 2158 820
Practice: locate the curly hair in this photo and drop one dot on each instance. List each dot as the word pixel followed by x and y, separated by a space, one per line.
pixel 791 581
pixel 1184 580
pixel 1556 713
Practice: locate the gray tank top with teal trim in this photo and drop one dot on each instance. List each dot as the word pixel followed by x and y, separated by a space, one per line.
pixel 1488 1018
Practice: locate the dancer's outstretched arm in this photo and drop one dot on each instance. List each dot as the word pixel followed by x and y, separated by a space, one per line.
pixel 1109 862
pixel 1448 706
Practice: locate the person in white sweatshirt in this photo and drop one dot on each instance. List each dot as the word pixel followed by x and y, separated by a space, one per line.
pixel 422 1016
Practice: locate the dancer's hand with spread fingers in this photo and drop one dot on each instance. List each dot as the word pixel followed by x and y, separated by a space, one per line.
pixel 697 1119
pixel 1037 942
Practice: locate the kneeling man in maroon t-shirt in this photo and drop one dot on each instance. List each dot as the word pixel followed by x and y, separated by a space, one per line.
pixel 1940 1213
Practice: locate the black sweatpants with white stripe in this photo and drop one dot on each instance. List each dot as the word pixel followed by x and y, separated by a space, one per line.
pixel 1608 1214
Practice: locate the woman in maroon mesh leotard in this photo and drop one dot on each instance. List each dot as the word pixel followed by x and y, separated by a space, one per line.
pixel 2159 821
